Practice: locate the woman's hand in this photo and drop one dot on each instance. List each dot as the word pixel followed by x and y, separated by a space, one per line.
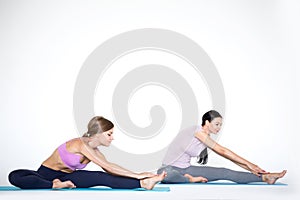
pixel 256 169
pixel 145 175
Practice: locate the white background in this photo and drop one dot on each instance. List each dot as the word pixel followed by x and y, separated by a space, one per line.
pixel 254 45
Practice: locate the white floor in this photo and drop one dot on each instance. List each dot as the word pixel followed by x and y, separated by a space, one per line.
pixel 187 192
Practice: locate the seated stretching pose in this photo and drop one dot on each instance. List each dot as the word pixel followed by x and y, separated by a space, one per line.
pixel 60 169
pixel 194 141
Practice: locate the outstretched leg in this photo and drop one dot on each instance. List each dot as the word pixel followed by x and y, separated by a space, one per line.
pixel 86 179
pixel 214 174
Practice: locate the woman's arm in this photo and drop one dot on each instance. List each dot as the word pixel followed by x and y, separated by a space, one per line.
pixel 118 170
pixel 99 159
pixel 228 154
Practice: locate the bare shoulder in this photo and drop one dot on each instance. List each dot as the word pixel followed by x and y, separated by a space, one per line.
pixel 75 145
pixel 201 136
pixel 80 145
pixel 207 140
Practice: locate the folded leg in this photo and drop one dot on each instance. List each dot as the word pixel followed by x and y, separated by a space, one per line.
pixel 28 179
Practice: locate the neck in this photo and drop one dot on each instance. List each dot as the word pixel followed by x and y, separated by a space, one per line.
pixel 93 144
pixel 89 141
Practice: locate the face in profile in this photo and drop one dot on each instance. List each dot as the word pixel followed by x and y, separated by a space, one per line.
pixel 104 138
pixel 108 135
pixel 215 125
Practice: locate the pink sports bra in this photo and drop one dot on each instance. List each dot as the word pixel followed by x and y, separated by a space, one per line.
pixel 71 160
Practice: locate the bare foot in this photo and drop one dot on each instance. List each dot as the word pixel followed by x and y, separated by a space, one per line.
pixel 149 183
pixel 198 179
pixel 271 178
pixel 57 184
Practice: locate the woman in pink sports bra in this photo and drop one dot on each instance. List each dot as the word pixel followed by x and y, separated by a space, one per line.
pixel 63 169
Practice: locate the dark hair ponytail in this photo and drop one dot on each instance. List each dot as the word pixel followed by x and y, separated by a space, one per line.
pixel 203 157
pixel 209 116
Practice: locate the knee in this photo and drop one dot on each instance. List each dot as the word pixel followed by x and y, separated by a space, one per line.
pixel 172 174
pixel 14 176
pixel 168 169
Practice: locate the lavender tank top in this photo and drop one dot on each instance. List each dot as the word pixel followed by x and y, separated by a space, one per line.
pixel 71 160
pixel 183 148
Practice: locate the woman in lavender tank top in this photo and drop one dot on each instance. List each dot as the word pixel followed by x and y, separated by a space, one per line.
pixel 193 142
pixel 63 169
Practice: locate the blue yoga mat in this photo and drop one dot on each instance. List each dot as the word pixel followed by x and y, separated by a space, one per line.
pixel 155 189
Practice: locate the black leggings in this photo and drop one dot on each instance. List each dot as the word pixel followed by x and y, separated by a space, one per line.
pixel 43 177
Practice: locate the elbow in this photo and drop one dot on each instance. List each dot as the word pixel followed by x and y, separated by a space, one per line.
pixel 226 153
pixel 222 151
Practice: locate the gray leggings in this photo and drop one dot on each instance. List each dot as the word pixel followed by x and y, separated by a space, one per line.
pixel 176 175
